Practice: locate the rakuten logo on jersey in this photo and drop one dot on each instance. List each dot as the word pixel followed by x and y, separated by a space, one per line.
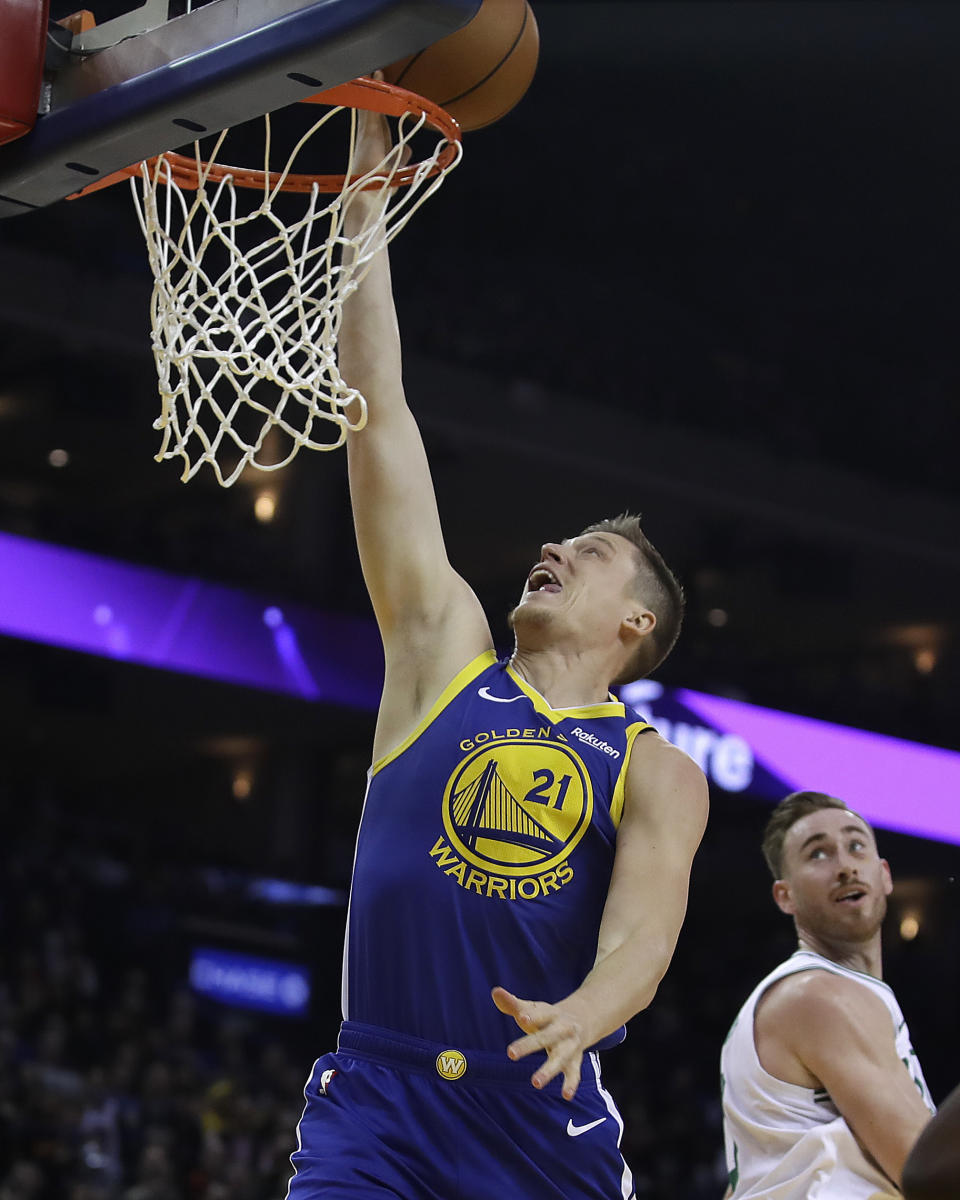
pixel 592 740
pixel 725 758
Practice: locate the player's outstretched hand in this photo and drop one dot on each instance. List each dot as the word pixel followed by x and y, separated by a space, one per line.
pixel 548 1027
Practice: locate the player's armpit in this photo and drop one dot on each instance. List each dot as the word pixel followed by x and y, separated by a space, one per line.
pixel 843 1035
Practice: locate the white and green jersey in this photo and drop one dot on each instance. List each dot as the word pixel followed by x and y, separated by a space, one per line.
pixel 785 1142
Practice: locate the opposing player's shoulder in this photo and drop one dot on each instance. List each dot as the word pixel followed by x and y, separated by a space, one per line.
pixel 816 1028
pixel 820 1003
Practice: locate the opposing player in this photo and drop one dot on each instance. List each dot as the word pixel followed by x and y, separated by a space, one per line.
pixel 932 1170
pixel 525 847
pixel 822 1092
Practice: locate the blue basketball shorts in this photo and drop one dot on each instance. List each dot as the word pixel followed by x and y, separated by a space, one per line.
pixel 393 1116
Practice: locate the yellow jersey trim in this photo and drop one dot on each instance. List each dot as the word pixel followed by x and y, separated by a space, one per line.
pixel 620 789
pixel 611 708
pixel 453 688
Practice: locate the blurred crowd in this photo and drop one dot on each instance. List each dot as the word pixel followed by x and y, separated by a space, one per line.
pixel 116 1083
pixel 119 1083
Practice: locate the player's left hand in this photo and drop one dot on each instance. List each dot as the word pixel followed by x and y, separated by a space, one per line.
pixel 549 1027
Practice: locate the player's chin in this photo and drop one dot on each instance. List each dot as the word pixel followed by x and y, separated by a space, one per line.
pixel 526 614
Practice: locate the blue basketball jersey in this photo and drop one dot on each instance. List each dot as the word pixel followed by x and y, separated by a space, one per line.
pixel 484 857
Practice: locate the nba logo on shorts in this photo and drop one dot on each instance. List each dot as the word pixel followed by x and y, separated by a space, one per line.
pixel 451 1064
pixel 325 1081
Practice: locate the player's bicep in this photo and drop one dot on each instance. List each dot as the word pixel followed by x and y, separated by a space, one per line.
pixel 844 1036
pixel 412 586
pixel 398 530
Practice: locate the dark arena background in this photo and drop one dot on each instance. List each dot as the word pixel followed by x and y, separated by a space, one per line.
pixel 706 270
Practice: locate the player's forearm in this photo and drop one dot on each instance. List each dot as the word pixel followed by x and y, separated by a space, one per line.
pixel 890 1142
pixel 622 983
pixel 369 342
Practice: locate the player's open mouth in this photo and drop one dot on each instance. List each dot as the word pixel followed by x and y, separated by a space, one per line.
pixel 542 579
pixel 851 896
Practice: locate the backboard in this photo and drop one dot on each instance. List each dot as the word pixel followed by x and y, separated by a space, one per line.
pixel 143 84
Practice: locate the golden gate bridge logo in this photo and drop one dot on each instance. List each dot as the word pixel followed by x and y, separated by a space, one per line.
pixel 518 805
pixel 487 808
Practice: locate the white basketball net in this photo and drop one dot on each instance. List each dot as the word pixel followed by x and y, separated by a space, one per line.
pixel 244 337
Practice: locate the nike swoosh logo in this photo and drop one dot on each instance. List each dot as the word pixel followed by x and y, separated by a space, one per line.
pixel 484 694
pixel 576 1130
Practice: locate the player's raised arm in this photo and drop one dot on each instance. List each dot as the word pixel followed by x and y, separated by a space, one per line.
pixel 664 816
pixel 430 620
pixel 842 1035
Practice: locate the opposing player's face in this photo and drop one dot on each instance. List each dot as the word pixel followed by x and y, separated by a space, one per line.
pixel 834 881
pixel 587 584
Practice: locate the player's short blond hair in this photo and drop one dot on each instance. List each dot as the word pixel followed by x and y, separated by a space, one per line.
pixel 657 586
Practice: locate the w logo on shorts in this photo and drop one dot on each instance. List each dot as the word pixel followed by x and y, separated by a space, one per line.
pixel 451 1064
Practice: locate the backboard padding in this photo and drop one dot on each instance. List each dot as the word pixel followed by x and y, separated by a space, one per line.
pixel 23 40
pixel 218 66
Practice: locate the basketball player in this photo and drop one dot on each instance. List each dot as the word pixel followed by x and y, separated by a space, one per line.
pixel 525 846
pixel 822 1092
pixel 932 1171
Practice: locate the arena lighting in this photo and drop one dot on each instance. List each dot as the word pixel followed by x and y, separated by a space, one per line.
pixel 247 981
pixel 893 783
pixel 265 507
pixel 99 606
pixel 287 893
pixel 242 783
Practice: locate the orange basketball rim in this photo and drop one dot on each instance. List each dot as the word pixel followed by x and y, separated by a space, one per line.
pixel 370 95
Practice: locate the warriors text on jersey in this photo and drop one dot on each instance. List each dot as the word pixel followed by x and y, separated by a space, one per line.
pixel 791 1142
pixel 484 857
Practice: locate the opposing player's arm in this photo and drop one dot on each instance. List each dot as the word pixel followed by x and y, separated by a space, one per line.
pixel 842 1035
pixel 664 816
pixel 932 1172
pixel 430 620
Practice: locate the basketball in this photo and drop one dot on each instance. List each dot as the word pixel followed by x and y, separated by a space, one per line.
pixel 480 72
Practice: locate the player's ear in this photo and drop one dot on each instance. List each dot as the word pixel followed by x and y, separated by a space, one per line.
pixel 639 621
pixel 782 897
pixel 886 876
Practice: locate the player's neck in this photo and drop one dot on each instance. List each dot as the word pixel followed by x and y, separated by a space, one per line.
pixel 865 957
pixel 565 680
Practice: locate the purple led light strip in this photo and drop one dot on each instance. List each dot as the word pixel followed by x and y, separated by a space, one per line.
pixel 101 606
pixel 891 782
pixel 98 605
